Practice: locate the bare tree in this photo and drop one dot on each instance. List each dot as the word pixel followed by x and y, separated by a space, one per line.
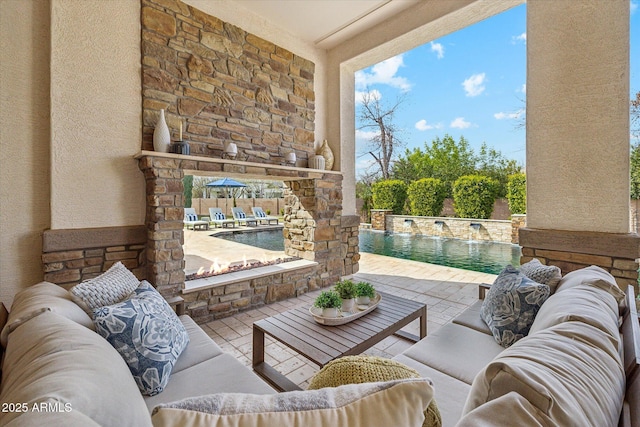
pixel 635 116
pixel 374 115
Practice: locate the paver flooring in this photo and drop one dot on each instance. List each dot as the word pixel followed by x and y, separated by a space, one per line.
pixel 446 291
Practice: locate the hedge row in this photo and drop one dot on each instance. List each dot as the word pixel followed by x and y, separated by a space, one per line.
pixel 473 196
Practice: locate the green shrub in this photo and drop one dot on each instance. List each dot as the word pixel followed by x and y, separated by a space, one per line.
pixel 517 193
pixel 390 194
pixel 474 195
pixel 365 289
pixel 426 196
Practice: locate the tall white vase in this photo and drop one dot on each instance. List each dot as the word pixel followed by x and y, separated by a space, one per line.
pixel 161 135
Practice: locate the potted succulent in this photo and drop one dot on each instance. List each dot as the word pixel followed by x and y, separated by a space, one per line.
pixel 347 291
pixel 364 293
pixel 329 302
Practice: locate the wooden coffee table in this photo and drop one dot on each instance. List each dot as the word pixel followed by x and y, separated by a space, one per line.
pixel 321 344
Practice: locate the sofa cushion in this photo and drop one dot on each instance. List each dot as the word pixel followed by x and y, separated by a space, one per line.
pixel 201 347
pixel 581 303
pixel 369 369
pixel 354 404
pixel 450 392
pixel 222 374
pixel 112 286
pixel 42 297
pixel 511 304
pixel 548 275
pixel 447 350
pixel 594 275
pixel 53 359
pixel 571 372
pixel 471 318
pixel 506 411
pixel 147 333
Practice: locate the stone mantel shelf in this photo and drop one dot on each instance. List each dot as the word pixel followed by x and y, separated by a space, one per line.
pixel 241 169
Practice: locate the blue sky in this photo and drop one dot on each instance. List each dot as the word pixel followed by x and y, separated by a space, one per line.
pixel 469 83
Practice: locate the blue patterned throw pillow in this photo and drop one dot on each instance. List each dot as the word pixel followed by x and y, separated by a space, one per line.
pixel 147 334
pixel 511 305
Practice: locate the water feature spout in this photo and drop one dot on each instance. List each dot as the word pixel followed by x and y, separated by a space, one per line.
pixel 474 231
pixel 439 228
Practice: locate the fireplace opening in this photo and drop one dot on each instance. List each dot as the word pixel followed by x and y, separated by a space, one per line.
pixel 259 206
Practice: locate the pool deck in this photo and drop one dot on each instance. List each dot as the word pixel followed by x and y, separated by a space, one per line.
pixel 446 291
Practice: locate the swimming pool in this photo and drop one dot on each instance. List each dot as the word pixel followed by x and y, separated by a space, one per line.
pixel 271 240
pixel 488 257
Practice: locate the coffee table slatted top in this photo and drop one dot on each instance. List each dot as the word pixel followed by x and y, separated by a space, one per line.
pixel 321 344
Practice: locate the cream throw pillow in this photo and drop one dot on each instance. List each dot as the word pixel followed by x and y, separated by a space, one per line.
pixel 385 404
pixel 594 275
pixel 112 286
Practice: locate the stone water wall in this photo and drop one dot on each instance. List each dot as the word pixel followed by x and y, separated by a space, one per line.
pixel 224 85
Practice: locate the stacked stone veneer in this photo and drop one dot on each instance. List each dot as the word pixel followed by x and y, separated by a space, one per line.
pixel 572 250
pixel 313 227
pixel 72 256
pixel 224 85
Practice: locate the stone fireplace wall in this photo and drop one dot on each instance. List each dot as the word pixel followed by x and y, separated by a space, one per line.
pixel 224 85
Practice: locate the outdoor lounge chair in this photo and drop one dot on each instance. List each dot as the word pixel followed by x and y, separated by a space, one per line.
pixel 191 220
pixel 262 216
pixel 241 217
pixel 218 218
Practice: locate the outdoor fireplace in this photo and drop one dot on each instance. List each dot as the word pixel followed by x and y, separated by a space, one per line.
pixel 315 231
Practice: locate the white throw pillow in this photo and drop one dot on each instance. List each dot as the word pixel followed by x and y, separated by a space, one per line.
pixel 383 404
pixel 594 275
pixel 549 275
pixel 112 286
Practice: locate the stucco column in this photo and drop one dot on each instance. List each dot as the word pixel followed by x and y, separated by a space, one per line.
pixel 578 115
pixel 578 137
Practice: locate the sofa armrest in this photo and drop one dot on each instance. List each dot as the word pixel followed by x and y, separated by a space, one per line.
pixel 482 290
pixel 177 303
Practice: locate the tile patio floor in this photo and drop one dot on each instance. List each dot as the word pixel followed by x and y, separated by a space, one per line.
pixel 446 291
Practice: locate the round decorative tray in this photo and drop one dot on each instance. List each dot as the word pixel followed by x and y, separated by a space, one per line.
pixel 359 310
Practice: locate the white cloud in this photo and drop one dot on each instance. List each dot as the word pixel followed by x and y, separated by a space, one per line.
pixel 460 123
pixel 502 116
pixel 384 73
pixel 633 6
pixel 372 93
pixel 365 135
pixel 438 48
pixel 474 85
pixel 519 38
pixel 523 89
pixel 422 125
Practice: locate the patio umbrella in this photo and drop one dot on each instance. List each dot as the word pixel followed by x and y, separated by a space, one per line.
pixel 227 183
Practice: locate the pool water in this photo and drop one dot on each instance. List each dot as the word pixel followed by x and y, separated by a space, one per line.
pixel 487 257
pixel 271 240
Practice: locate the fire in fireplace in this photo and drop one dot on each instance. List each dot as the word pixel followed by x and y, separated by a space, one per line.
pixel 246 264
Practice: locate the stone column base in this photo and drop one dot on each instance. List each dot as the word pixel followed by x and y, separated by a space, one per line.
pixel 572 250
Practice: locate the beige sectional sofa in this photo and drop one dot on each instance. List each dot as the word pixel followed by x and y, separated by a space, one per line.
pixel 568 371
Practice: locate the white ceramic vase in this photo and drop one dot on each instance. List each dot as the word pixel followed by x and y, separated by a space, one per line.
pixel 363 300
pixel 329 312
pixel 317 162
pixel 161 135
pixel 348 304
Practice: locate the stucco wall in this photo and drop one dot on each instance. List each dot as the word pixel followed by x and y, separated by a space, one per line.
pixel 95 114
pixel 24 142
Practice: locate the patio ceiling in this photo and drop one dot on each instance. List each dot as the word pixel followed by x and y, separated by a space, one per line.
pixel 326 23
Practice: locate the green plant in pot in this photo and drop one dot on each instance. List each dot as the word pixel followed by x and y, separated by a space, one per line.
pixel 347 291
pixel 364 293
pixel 329 302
